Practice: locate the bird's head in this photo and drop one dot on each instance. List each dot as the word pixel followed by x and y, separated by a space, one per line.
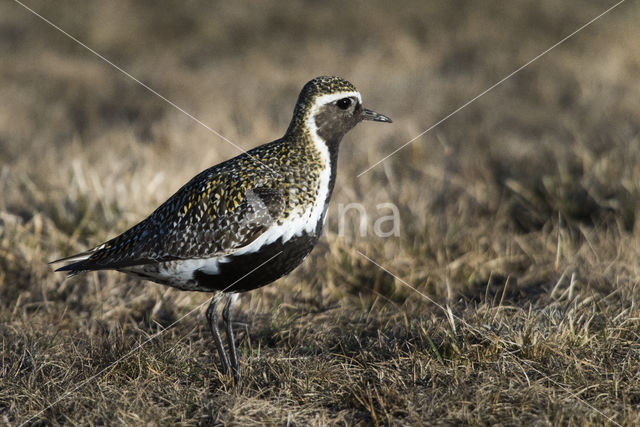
pixel 329 107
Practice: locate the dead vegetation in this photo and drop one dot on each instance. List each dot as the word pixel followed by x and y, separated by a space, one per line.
pixel 519 214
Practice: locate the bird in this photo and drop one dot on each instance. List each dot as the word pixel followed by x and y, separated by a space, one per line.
pixel 245 222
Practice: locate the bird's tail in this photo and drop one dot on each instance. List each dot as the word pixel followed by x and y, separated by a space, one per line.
pixel 74 263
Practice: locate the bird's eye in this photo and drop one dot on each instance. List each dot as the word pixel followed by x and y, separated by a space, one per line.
pixel 343 103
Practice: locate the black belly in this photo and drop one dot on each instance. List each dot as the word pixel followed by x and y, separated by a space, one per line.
pixel 253 270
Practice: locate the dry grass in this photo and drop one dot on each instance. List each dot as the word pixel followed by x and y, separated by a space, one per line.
pixel 519 214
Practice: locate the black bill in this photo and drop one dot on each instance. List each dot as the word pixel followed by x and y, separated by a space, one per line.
pixel 373 116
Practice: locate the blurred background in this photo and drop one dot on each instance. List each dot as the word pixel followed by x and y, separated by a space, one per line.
pixel 533 182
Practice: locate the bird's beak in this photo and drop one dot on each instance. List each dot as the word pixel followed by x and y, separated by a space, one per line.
pixel 373 116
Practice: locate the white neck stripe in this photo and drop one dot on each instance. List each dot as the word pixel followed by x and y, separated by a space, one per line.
pixel 305 221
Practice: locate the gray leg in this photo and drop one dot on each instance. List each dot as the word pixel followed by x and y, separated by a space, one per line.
pixel 212 317
pixel 226 317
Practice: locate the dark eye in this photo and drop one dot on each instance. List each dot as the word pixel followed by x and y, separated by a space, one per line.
pixel 343 103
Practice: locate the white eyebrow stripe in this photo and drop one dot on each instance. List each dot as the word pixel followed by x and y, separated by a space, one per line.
pixel 326 99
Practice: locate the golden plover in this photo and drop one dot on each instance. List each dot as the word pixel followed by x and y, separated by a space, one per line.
pixel 247 221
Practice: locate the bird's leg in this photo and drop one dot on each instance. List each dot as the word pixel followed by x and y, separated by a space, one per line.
pixel 226 318
pixel 212 317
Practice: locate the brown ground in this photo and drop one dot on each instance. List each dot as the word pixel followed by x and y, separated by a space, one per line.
pixel 519 213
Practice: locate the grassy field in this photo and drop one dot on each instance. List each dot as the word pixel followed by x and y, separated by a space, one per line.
pixel 510 295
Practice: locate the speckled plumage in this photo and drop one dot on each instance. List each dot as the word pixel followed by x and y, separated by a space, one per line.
pixel 214 214
pixel 247 221
pixel 228 205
